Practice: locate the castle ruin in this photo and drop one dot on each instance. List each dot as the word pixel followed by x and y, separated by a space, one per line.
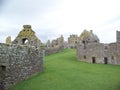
pixel 23 57
pixel 89 49
pixel 19 59
pixel 55 46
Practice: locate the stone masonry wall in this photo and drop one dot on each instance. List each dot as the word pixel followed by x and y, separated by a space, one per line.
pixel 18 63
pixel 98 52
pixel 91 50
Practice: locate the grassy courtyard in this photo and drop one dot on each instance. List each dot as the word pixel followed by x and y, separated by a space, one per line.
pixel 63 72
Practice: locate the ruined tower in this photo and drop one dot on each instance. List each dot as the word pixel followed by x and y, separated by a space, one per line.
pixel 118 38
pixel 118 45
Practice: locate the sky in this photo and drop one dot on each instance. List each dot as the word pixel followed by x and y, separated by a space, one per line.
pixel 52 18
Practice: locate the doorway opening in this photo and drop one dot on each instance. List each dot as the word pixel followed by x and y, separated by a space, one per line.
pixel 2 77
pixel 93 60
pixel 105 60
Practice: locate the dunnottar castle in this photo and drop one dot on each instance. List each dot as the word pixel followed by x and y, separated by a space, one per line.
pixel 24 56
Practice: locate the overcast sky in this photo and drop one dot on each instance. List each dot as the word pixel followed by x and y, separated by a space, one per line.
pixel 51 18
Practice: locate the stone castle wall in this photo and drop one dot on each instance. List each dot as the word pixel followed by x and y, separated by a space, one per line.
pixel 18 63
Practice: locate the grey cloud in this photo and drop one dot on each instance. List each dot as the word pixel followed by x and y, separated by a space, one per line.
pixel 2 3
pixel 26 11
pixel 27 8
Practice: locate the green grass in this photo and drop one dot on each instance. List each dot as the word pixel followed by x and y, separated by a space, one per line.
pixel 63 72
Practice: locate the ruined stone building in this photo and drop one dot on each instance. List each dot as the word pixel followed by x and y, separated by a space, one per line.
pixel 27 37
pixel 89 49
pixel 55 46
pixel 20 59
pixel 72 41
pixel 58 42
pixel 48 44
pixel 88 37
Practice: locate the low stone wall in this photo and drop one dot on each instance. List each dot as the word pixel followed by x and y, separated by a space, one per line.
pixel 53 50
pixel 18 63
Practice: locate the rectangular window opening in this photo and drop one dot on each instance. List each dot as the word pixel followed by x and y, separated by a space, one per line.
pixel 3 68
pixel 84 56
pixel 112 57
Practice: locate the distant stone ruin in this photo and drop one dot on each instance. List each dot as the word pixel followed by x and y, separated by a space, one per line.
pixel 72 41
pixel 55 46
pixel 58 42
pixel 85 37
pixel 89 49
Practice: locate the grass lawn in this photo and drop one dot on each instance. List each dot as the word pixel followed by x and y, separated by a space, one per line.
pixel 63 72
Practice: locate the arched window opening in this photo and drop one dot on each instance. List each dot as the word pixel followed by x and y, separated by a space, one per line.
pixel 24 41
